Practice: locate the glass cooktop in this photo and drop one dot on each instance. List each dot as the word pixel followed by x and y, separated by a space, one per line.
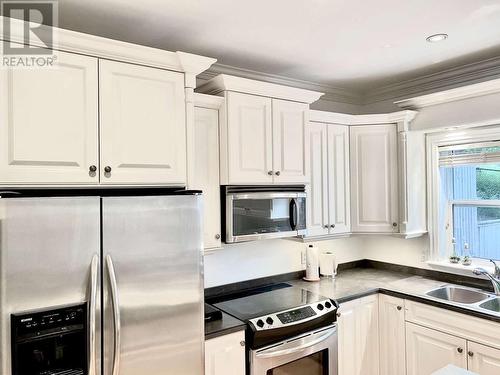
pixel 268 301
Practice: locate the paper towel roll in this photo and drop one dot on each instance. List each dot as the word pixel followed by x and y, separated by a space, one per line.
pixel 312 263
pixel 327 264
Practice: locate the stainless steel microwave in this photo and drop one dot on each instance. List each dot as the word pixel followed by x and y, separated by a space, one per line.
pixel 261 212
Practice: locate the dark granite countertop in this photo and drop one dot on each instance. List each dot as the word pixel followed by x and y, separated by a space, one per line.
pixel 228 324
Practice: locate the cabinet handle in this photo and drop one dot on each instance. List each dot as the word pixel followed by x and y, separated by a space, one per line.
pixel 277 173
pixel 394 225
pixel 217 236
pixel 332 226
pixel 399 308
pixel 471 354
pixel 270 173
pixel 92 168
pixel 107 169
pixel 242 343
pixel 460 350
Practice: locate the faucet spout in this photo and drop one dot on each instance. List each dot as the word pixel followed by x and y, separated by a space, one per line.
pixel 495 280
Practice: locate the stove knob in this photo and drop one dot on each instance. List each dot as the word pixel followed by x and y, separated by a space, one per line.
pixel 260 323
pixel 269 320
pixel 320 307
pixel 328 305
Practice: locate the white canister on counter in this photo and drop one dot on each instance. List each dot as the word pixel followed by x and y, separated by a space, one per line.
pixel 312 263
pixel 327 264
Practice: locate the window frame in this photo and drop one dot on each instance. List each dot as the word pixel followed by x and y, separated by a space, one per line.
pixel 434 141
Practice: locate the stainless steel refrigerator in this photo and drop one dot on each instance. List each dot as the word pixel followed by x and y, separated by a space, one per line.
pixel 101 285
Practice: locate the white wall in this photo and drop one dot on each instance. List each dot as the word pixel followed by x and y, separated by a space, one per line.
pixel 250 260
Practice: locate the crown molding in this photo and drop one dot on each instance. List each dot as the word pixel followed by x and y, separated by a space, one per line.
pixel 331 93
pixel 91 45
pixel 402 118
pixel 224 82
pixel 459 93
pixel 444 80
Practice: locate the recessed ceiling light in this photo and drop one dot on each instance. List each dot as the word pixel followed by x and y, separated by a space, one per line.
pixel 437 38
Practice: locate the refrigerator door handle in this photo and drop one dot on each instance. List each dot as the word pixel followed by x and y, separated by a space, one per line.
pixel 116 315
pixel 94 269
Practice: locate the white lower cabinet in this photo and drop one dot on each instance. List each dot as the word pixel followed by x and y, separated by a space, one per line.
pixel 358 337
pixel 482 359
pixel 225 355
pixel 392 335
pixel 428 350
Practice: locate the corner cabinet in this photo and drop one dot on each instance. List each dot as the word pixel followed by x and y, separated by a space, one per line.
pixel 143 126
pixel 329 194
pixel 374 178
pixel 264 131
pixel 225 355
pixel 205 160
pixel 49 130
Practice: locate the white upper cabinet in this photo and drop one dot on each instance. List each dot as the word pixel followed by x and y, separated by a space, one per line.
pixel 290 141
pixel 264 133
pixel 317 190
pixel 374 178
pixel 249 139
pixel 143 129
pixel 205 176
pixel 328 192
pixel 49 123
pixel 339 201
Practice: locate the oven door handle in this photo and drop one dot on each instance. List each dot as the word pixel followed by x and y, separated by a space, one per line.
pixel 94 269
pixel 116 315
pixel 298 345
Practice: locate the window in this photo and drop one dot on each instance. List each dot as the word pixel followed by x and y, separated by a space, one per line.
pixel 469 200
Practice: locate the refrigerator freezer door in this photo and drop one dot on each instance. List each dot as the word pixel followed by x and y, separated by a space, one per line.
pixel 48 248
pixel 153 273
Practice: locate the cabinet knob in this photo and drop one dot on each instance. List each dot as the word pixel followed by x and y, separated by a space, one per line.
pixel 460 350
pixel 332 226
pixel 107 169
pixel 242 343
pixel 92 168
pixel 399 308
pixel 471 354
pixel 217 236
pixel 394 225
pixel 277 173
pixel 338 315
pixel 270 173
pixel 325 226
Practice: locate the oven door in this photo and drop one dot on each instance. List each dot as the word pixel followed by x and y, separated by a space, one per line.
pixel 313 353
pixel 260 215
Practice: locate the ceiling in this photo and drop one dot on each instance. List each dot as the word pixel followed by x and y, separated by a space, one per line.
pixel 359 45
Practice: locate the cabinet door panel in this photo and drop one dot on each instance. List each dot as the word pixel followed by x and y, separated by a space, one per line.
pixel 206 171
pixel 392 335
pixel 317 190
pixel 143 129
pixel 49 123
pixel 249 139
pixel 484 360
pixel 428 350
pixel 338 179
pixel 374 178
pixel 225 355
pixel 290 142
pixel 348 345
pixel 368 336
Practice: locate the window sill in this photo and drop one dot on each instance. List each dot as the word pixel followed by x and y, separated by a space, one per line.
pixel 459 268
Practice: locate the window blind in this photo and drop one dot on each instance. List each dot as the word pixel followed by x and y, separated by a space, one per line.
pixel 477 153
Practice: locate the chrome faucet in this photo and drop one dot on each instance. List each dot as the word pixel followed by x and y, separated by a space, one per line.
pixel 494 277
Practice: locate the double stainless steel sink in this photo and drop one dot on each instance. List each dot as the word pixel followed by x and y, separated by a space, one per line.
pixel 467 296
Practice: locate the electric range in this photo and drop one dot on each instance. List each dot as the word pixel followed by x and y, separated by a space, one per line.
pixel 286 326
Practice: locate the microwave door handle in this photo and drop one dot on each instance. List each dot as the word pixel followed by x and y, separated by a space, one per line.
pixel 293 214
pixel 94 270
pixel 116 315
pixel 297 346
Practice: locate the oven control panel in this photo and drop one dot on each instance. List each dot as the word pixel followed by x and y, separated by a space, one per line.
pixel 293 316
